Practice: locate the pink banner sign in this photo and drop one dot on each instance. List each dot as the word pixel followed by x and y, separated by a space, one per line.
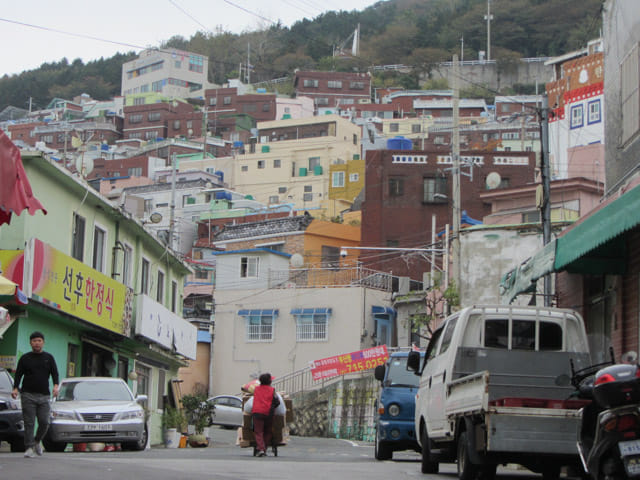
pixel 349 362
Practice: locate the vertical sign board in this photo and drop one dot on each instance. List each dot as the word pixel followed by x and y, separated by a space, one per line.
pixel 349 362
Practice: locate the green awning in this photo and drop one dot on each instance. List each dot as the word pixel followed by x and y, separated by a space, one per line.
pixel 596 246
pixel 523 278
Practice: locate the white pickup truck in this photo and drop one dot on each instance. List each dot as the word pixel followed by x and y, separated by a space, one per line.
pixel 492 391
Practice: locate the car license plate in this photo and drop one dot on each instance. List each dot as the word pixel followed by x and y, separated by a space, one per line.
pixel 98 427
pixel 632 466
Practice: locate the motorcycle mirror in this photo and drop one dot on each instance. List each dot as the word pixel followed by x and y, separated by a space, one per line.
pixel 630 357
pixel 563 380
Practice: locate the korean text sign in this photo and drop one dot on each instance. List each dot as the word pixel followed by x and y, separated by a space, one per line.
pixel 73 287
pixel 349 362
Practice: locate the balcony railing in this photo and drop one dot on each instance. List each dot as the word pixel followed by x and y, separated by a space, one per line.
pixel 330 277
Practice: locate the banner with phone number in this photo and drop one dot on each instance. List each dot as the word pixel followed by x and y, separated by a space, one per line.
pixel 349 362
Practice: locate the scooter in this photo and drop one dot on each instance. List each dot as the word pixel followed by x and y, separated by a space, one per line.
pixel 609 436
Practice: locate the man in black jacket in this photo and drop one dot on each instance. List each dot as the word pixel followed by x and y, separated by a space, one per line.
pixel 34 369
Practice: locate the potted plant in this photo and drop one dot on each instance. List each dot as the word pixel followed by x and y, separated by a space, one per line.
pixel 198 413
pixel 173 421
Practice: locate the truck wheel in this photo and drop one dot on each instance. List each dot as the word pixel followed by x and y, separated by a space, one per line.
pixel 466 469
pixel 382 451
pixel 428 466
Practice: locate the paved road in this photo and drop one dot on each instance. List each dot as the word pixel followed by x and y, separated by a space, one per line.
pixel 303 459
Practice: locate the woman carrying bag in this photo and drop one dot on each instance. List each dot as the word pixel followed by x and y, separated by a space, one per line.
pixel 265 401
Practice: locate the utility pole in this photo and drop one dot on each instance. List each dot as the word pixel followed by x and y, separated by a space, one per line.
pixel 545 208
pixel 205 127
pixel 462 48
pixel 172 209
pixel 455 243
pixel 488 17
pixel 248 63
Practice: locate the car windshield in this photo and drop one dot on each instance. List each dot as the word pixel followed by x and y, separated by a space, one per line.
pixel 399 376
pixel 6 383
pixel 88 390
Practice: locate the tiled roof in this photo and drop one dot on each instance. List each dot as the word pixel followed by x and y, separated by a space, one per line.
pixel 266 227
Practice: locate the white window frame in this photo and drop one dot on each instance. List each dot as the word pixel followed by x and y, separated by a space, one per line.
pixel 98 255
pixel 249 267
pixel 127 259
pixel 259 330
pixel 594 112
pixel 337 179
pixel 310 330
pixel 577 116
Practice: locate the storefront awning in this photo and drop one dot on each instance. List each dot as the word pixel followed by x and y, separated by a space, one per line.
pixel 523 278
pixel 596 246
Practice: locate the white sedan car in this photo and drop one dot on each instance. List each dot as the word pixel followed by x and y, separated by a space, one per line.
pixel 228 411
pixel 96 409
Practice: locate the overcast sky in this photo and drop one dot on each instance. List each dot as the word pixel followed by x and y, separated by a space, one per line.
pixel 36 31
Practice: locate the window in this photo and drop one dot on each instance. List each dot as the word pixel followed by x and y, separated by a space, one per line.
pixel 594 112
pixel 334 84
pixel 134 171
pixel 396 187
pixel 244 168
pixel 249 267
pixel 531 217
pixel 266 107
pixel 160 287
pixel 154 116
pixel 282 189
pixel 259 324
pixel 144 379
pixel 434 190
pixel 47 138
pixel 144 276
pixel 176 124
pixel 308 188
pixel 330 257
pixel 226 100
pixel 576 116
pixel 213 101
pixel 157 86
pixel 274 199
pixel 202 274
pixel 260 164
pixel 249 108
pixel 354 177
pixel 196 63
pixel 322 101
pixel 523 335
pixel 448 335
pixel 310 83
pixel 312 324
pixel 148 205
pixel 277 163
pixel 188 200
pixel 416 128
pixel 99 238
pixel 356 85
pixel 393 127
pixel 510 135
pixel 139 101
pixel 337 179
pixel 137 118
pixel 307 197
pixel 313 163
pixel 77 245
pixel 127 257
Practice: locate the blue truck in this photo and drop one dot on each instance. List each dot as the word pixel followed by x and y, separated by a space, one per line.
pixel 395 407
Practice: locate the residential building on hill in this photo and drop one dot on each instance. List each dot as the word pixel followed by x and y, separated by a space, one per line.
pixel 174 73
pixel 333 89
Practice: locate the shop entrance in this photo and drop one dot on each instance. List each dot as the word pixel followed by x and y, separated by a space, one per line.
pixel 96 361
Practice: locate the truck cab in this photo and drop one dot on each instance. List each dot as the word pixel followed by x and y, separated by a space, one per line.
pixel 395 407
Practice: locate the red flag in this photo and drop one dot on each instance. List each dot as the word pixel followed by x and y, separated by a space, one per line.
pixel 15 191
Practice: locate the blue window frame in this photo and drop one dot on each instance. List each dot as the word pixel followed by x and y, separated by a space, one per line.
pixel 594 112
pixel 312 324
pixel 577 116
pixel 259 324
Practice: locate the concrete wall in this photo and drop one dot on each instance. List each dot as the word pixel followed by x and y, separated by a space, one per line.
pixel 344 409
pixel 497 75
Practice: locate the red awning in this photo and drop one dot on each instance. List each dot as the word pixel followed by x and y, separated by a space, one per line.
pixel 15 191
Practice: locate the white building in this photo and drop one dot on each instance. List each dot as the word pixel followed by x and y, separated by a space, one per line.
pixel 171 72
pixel 269 318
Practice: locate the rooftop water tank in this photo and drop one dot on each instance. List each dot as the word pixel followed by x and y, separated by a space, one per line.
pixel 399 143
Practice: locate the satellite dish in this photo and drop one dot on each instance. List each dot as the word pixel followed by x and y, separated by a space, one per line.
pixel 493 180
pixel 296 260
pixel 155 217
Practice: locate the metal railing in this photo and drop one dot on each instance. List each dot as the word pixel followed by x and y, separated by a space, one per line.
pixel 330 277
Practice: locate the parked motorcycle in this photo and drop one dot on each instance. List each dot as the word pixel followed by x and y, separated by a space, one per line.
pixel 609 436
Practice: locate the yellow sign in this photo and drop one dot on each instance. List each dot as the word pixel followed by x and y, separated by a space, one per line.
pixel 68 285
